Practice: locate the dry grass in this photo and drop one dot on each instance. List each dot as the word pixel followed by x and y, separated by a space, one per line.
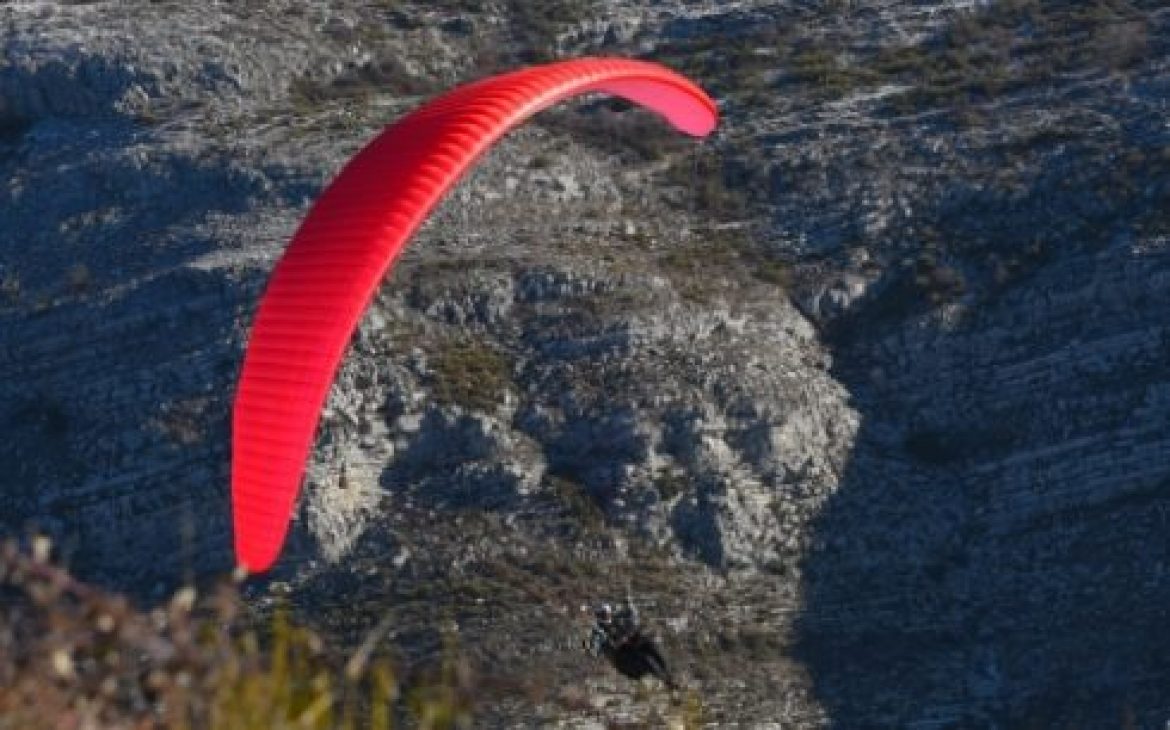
pixel 74 656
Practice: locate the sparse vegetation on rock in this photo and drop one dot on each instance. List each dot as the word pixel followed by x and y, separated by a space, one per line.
pixel 865 395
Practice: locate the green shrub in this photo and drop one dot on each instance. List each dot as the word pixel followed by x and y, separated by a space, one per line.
pixel 940 282
pixel 825 72
pixel 616 128
pixel 670 485
pixel 471 374
pixel 537 26
pixel 577 500
pixel 1013 45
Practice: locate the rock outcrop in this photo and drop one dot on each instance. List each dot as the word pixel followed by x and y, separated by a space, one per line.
pixel 866 396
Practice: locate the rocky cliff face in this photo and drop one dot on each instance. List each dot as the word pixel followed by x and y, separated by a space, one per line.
pixel 866 396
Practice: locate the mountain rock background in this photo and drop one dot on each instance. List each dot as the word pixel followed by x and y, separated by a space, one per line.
pixel 865 398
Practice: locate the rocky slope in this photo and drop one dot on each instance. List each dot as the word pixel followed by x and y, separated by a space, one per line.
pixel 864 397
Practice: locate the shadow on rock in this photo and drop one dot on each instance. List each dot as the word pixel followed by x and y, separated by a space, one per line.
pixel 996 553
pixel 115 411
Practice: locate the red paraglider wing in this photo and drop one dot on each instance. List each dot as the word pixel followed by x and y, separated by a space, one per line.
pixel 355 230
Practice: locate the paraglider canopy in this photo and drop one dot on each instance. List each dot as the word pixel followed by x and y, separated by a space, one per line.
pixel 350 238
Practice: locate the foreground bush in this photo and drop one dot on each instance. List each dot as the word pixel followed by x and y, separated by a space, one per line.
pixel 74 656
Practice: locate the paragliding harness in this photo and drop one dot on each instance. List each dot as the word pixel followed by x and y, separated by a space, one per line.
pixel 617 636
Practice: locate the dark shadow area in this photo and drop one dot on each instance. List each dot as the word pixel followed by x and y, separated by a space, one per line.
pixel 115 409
pixel 447 468
pixel 80 196
pixel 996 554
pixel 118 358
